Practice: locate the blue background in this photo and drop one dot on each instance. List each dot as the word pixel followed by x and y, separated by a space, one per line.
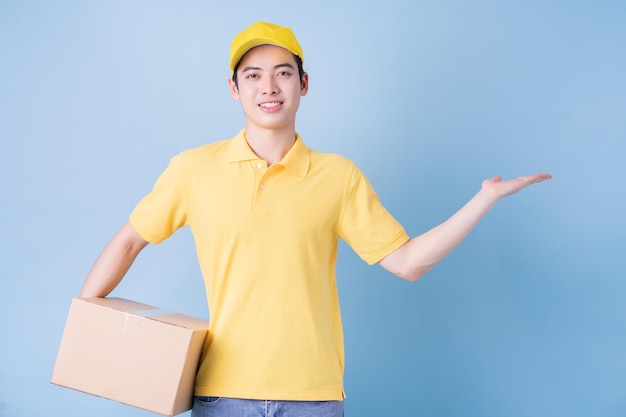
pixel 525 318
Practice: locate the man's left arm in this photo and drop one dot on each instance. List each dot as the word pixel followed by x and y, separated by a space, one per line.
pixel 417 256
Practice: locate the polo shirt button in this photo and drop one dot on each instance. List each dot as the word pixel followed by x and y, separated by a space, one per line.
pixel 262 186
pixel 259 165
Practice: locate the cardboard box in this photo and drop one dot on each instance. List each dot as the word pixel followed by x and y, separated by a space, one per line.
pixel 132 353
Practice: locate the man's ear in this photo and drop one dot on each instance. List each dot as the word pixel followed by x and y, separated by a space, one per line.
pixel 304 84
pixel 234 91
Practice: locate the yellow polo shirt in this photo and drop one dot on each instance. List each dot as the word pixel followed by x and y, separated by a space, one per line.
pixel 266 239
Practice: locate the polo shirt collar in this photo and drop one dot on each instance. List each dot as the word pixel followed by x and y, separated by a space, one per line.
pixel 297 159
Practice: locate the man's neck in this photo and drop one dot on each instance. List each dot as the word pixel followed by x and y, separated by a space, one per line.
pixel 270 145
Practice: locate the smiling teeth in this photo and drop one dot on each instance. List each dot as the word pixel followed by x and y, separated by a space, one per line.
pixel 269 104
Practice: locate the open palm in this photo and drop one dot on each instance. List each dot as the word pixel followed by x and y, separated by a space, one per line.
pixel 500 188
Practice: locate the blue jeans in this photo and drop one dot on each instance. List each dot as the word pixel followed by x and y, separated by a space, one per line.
pixel 234 407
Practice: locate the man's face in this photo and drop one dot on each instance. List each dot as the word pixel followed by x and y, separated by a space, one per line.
pixel 269 87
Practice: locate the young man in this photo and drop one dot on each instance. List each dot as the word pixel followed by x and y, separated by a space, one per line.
pixel 266 213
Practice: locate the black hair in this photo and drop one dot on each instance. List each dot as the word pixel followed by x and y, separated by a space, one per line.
pixel 298 63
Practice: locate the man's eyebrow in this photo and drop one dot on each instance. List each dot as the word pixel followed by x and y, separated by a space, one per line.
pixel 286 64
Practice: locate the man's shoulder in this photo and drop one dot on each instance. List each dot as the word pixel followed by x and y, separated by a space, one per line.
pixel 332 159
pixel 209 150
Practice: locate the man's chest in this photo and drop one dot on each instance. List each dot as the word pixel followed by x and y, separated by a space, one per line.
pixel 267 199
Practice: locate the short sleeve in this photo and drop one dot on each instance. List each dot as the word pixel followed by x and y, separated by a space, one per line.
pixel 371 231
pixel 164 210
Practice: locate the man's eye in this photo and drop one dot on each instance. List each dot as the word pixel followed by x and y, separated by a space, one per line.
pixel 251 76
pixel 284 74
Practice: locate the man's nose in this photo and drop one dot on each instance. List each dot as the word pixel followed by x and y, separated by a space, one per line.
pixel 270 86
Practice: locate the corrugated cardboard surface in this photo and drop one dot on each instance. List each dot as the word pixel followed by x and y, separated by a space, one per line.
pixel 132 353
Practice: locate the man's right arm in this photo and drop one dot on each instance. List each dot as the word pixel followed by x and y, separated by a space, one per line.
pixel 113 262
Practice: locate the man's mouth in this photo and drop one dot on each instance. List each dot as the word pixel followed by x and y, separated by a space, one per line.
pixel 270 105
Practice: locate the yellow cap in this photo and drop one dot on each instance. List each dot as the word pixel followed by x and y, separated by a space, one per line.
pixel 263 33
